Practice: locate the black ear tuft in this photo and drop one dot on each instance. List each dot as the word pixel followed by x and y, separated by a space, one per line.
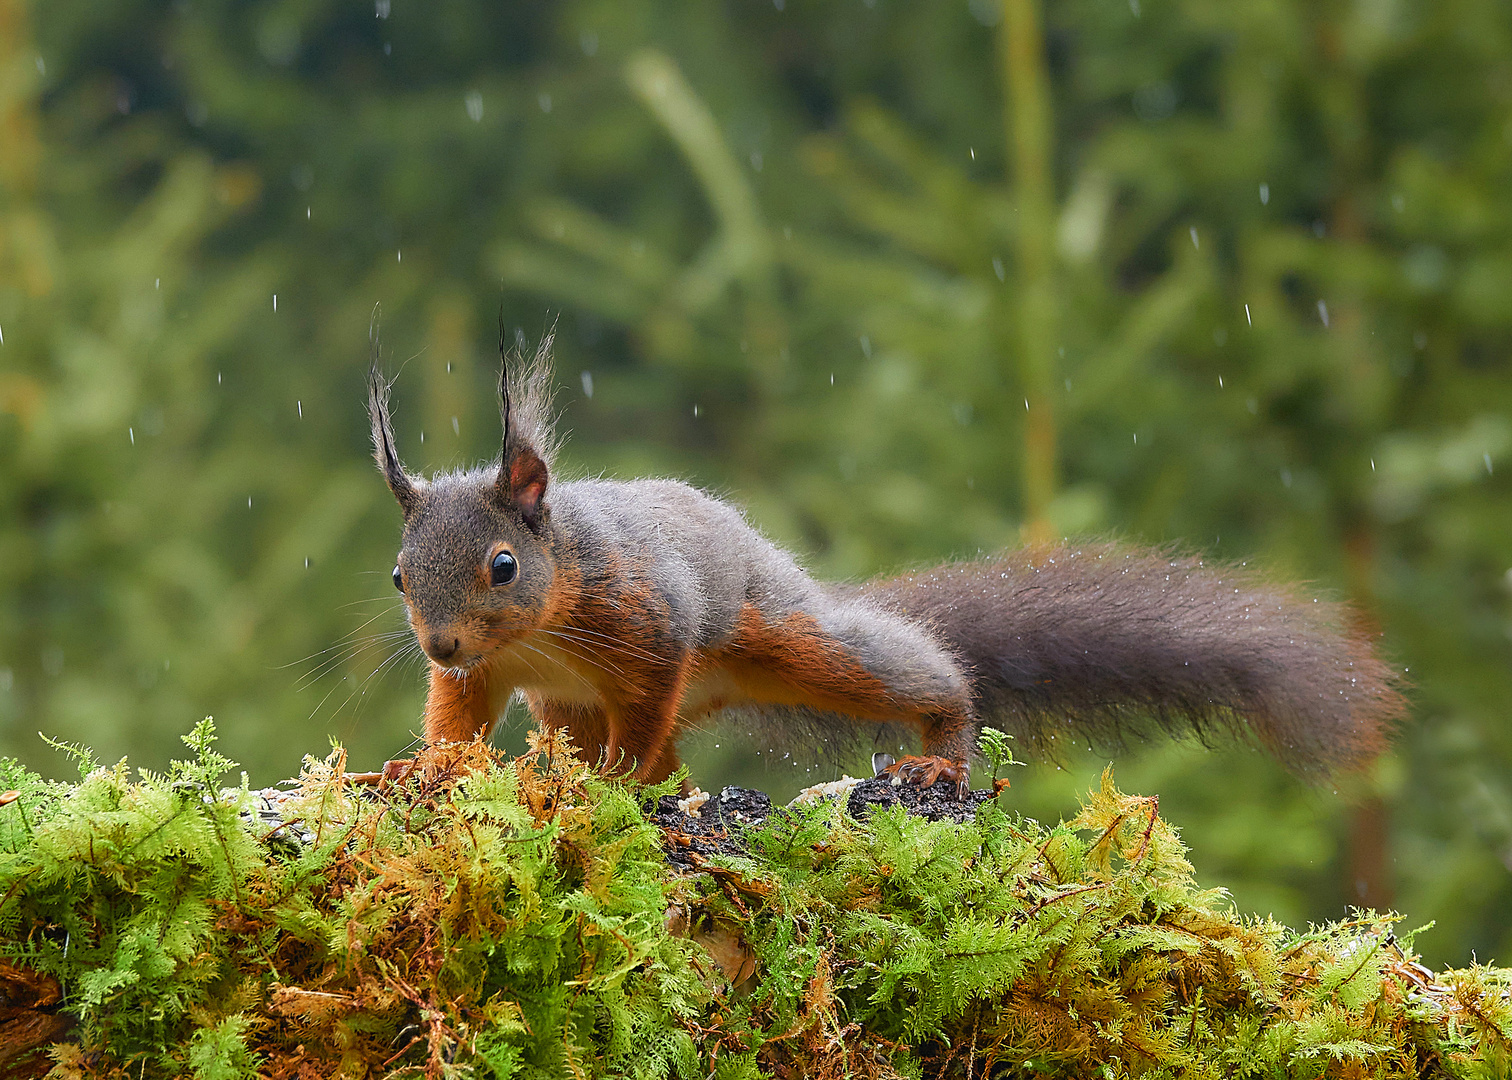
pixel 400 482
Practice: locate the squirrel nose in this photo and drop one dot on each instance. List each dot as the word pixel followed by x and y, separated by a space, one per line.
pixel 442 648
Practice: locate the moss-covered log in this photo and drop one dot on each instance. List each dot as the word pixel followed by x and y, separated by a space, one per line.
pixel 498 918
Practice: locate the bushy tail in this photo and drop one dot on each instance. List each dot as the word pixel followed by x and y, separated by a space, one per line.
pixel 1090 644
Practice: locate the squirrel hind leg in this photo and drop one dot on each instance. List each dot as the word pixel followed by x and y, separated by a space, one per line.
pixel 857 661
pixel 928 770
pixel 947 754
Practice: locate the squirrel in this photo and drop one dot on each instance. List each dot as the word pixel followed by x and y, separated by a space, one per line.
pixel 626 611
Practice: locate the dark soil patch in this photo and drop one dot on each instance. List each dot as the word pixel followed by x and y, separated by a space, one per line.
pixel 718 829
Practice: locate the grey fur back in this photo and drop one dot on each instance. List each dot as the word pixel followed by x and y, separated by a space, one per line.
pixel 700 555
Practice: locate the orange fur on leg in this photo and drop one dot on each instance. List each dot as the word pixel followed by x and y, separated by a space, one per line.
pixel 586 724
pixel 458 707
pixel 794 662
pixel 641 728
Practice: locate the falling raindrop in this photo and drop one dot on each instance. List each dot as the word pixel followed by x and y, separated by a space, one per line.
pixel 157 283
pixel 307 562
pixel 972 151
pixel 1247 315
pixel 832 378
pixel 131 434
pixel 1220 382
pixel 382 8
pixel 474 103
pixel 401 256
pixel 249 502
pixel 307 213
pixel 544 101
pixel 695 412
pixel 1193 232
pixel 866 346
pixel 1264 194
pixel 217 378
pixel 1323 313
pixel 756 160
pixel 456 427
pixel 997 268
pixel 299 407
pixel 275 301
pixel 588 42
pixel 1487 459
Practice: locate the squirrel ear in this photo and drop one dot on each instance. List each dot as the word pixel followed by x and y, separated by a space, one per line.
pixel 522 471
pixel 526 485
pixel 399 481
pixel 524 465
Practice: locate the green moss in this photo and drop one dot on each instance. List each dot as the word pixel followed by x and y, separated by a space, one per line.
pixel 504 919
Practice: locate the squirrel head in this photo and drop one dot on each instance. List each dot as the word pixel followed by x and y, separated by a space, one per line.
pixel 476 563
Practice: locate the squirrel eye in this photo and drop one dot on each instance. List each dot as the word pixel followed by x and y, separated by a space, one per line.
pixel 398 579
pixel 504 569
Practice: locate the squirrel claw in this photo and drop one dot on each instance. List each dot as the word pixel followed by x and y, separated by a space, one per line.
pixel 925 771
pixel 394 772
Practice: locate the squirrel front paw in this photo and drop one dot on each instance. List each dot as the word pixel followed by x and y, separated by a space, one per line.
pixel 924 771
pixel 394 772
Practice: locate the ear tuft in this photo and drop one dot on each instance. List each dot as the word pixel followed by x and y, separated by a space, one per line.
pixel 529 441
pixel 405 488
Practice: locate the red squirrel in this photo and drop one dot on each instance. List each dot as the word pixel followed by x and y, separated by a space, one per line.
pixel 626 611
